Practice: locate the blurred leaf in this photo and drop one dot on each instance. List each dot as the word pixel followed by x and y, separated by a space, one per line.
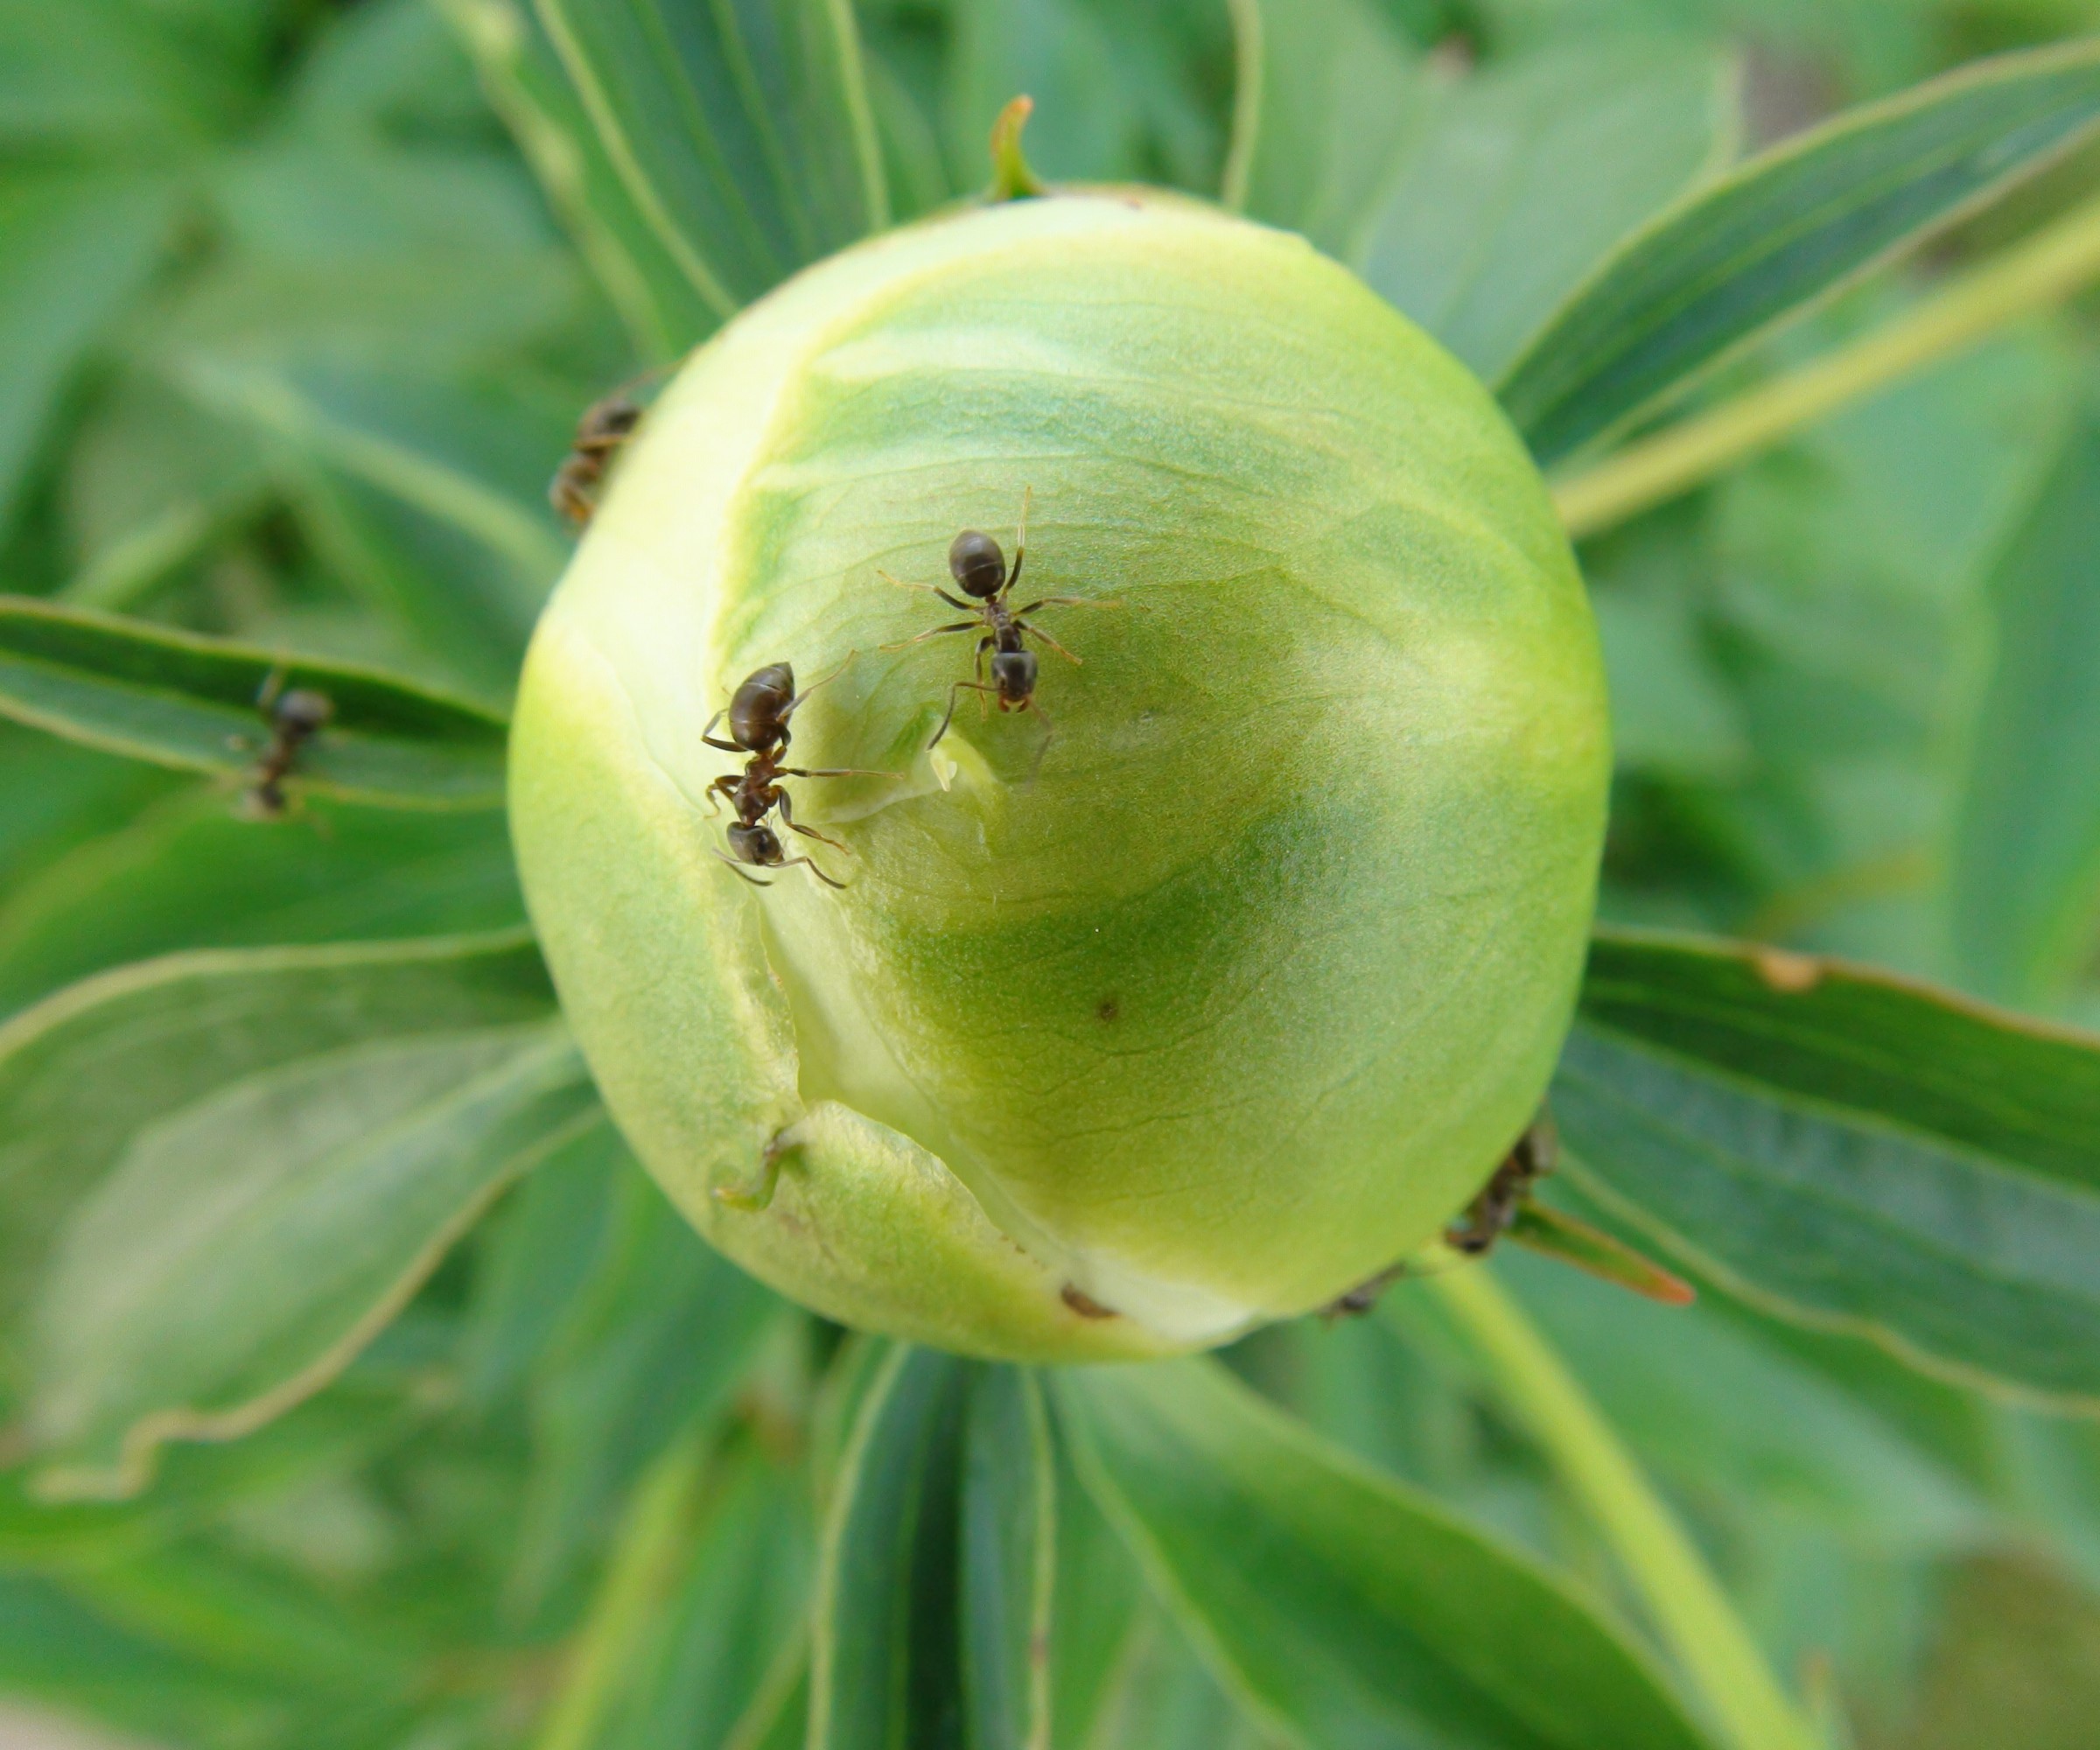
pixel 74 248
pixel 180 699
pixel 1094 1616
pixel 1009 1561
pixel 85 1071
pixel 189 874
pixel 60 795
pixel 742 131
pixel 1328 98
pixel 724 1619
pixel 110 73
pixel 535 1260
pixel 663 312
pixel 1520 178
pixel 387 68
pixel 247 1245
pixel 2027 851
pixel 1734 1421
pixel 1350 1610
pixel 888 1671
pixel 1786 228
pixel 655 1349
pixel 476 460
pixel 150 482
pixel 1848 1149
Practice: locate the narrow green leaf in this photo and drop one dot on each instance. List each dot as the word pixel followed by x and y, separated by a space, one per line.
pixel 2027 846
pixel 742 130
pixel 886 1673
pixel 1849 1148
pixel 1009 1561
pixel 188 873
pixel 1095 1613
pixel 247 1246
pixel 1328 97
pixel 85 1071
pixel 654 1350
pixel 1348 1610
pixel 74 248
pixel 180 699
pixel 1521 176
pixel 525 84
pixel 1787 228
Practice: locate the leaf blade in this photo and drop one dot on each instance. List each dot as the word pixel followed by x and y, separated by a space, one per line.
pixel 1849 1148
pixel 1718 270
pixel 1353 1611
pixel 178 698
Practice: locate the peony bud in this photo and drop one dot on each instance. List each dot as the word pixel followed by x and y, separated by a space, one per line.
pixel 1191 1014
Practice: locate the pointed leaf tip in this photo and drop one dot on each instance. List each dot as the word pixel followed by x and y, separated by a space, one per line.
pixel 1012 178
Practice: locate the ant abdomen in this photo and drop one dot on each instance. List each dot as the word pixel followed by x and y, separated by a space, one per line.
pixel 976 562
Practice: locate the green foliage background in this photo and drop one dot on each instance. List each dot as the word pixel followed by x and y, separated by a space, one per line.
pixel 298 302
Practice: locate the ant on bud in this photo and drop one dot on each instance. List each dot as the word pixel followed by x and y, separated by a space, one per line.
pixel 1505 1207
pixel 978 567
pixel 604 427
pixel 758 716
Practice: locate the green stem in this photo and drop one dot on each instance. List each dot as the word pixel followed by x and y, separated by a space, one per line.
pixel 2037 275
pixel 644 1554
pixel 1682 1598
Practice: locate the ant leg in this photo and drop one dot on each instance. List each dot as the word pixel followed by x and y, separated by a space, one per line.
pixel 1066 601
pixel 786 810
pixel 724 786
pixel 1038 632
pixel 794 704
pixel 758 1196
pixel 273 683
pixel 931 589
pixel 1049 735
pixel 814 871
pixel 1020 546
pixel 736 868
pixel 974 686
pixel 958 625
pixel 708 735
pixel 838 771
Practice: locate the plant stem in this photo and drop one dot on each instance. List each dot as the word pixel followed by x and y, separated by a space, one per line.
pixel 2038 274
pixel 1682 1598
pixel 644 1554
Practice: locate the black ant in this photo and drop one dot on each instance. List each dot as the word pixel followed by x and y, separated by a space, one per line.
pixel 758 726
pixel 979 570
pixel 1505 1207
pixel 295 717
pixel 606 425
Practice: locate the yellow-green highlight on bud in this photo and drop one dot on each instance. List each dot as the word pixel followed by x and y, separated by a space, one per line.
pixel 1202 1011
pixel 1012 178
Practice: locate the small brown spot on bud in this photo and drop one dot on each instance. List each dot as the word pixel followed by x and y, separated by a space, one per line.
pixel 1108 1011
pixel 1084 1304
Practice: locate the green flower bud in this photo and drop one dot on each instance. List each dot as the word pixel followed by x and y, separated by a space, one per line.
pixel 1224 999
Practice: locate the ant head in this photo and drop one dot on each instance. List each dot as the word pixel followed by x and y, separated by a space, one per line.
pixel 608 419
pixel 975 561
pixel 1014 671
pixel 758 845
pixel 303 711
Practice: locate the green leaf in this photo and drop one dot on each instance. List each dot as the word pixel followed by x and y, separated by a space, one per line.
pixel 74 248
pixel 663 312
pixel 84 1071
pixel 1786 228
pixel 1095 1613
pixel 180 699
pixel 2027 851
pixel 935 1583
pixel 1347 1610
pixel 1009 1560
pixel 1326 101
pixel 1521 176
pixel 189 874
pixel 742 130
pixel 1849 1148
pixel 247 1246
pixel 627 1374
